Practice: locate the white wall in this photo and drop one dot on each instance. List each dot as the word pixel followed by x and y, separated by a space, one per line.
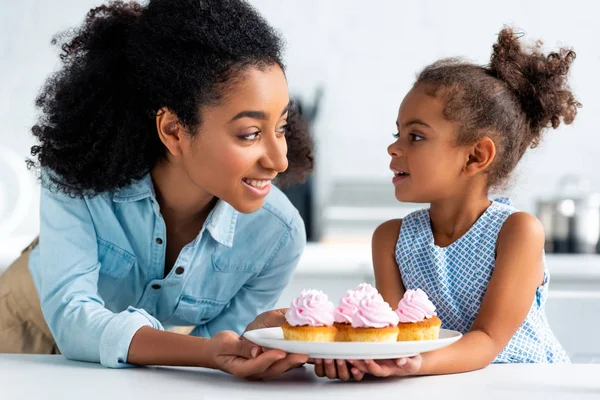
pixel 364 53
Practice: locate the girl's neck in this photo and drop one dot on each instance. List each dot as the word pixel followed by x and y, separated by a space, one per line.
pixel 452 218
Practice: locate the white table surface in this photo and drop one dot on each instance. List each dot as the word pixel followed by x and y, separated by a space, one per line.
pixel 54 377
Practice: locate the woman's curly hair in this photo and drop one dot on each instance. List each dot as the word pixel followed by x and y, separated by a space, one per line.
pixel 97 129
pixel 512 100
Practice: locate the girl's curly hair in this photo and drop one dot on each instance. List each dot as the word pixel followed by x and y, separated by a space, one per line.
pixel 512 100
pixel 97 129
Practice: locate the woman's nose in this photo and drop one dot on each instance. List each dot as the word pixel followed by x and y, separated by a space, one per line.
pixel 276 155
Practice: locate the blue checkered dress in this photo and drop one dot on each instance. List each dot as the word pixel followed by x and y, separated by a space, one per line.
pixel 455 278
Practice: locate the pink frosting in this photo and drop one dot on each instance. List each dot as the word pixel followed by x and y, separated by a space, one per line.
pixel 365 289
pixel 415 306
pixel 374 312
pixel 347 307
pixel 349 302
pixel 311 308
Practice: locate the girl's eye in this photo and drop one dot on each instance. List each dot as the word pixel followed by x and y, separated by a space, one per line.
pixel 250 137
pixel 416 137
pixel 396 135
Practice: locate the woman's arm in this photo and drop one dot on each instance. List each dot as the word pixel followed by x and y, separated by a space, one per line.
pixel 387 273
pixel 67 275
pixel 85 330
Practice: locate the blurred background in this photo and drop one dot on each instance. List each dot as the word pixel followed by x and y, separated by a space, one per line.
pixel 349 64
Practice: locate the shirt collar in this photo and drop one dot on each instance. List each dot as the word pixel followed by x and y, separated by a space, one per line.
pixel 220 222
pixel 135 191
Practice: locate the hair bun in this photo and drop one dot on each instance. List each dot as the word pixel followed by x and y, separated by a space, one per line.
pixel 539 81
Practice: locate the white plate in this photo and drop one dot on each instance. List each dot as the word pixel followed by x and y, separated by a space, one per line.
pixel 272 338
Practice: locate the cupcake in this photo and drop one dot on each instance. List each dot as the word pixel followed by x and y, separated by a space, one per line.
pixel 365 289
pixel 374 321
pixel 347 306
pixel 417 317
pixel 310 318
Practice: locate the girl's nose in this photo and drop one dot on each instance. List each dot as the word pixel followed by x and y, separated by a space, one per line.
pixel 395 149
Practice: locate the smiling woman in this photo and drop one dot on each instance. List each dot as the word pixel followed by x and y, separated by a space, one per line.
pixel 159 141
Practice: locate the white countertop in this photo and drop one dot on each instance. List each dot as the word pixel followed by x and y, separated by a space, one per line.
pixel 54 377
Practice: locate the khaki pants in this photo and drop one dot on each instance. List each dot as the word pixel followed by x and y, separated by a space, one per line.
pixel 22 325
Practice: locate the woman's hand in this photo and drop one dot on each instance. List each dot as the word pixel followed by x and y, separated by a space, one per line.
pixel 337 369
pixel 384 368
pixel 243 359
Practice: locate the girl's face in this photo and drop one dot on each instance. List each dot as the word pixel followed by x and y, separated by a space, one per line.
pixel 240 146
pixel 426 161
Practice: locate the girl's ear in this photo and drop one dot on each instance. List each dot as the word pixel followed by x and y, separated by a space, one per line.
pixel 480 156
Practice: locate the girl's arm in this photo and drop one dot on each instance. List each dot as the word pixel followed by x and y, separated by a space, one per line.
pixel 510 294
pixel 387 273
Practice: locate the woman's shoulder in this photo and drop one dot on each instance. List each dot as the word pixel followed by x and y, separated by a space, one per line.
pixel 278 207
pixel 276 217
pixel 275 225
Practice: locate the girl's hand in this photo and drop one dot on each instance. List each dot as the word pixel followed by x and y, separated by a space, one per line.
pixel 384 368
pixel 243 359
pixel 337 369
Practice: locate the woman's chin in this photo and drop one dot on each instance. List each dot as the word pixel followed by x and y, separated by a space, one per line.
pixel 248 207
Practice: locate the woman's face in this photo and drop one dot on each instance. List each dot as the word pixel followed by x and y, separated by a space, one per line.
pixel 240 146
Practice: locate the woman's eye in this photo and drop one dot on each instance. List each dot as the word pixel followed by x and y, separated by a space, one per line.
pixel 416 137
pixel 284 129
pixel 396 135
pixel 250 136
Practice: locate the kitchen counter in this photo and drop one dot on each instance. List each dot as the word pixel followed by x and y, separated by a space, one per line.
pixel 55 377
pixel 355 258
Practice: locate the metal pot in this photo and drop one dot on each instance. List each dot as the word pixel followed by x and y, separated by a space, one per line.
pixel 571 219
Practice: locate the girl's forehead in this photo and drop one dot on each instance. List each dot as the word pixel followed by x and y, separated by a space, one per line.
pixel 419 104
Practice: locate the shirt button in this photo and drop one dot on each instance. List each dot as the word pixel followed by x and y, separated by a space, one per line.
pixel 155 286
pixel 159 241
pixel 179 270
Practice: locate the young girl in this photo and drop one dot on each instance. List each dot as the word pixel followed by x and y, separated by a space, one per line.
pixel 461 130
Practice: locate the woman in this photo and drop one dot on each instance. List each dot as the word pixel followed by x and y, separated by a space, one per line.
pixel 160 138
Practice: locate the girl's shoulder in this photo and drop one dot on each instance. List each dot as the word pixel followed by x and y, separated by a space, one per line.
pixel 521 226
pixel 389 230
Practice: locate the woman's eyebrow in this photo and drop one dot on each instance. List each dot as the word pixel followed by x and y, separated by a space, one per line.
pixel 261 115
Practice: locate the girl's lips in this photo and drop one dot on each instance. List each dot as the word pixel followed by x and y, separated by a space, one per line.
pixel 399 178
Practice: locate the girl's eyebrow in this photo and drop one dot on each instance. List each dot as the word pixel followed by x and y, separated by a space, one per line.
pixel 414 122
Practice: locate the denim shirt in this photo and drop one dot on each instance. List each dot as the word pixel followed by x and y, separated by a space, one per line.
pixel 99 268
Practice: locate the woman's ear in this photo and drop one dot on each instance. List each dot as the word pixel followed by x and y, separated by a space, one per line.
pixel 480 156
pixel 169 130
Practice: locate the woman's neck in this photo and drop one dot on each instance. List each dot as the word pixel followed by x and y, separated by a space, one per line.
pixel 181 201
pixel 452 218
